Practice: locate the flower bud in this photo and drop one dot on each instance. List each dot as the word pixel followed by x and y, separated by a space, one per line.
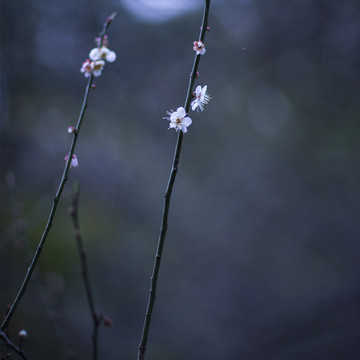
pixel 74 161
pixel 22 334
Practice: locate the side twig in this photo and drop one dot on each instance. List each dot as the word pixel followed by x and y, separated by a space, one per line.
pixel 96 318
pixel 12 346
pixel 167 197
pixel 57 195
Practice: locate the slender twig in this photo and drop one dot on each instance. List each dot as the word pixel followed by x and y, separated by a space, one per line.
pixel 167 198
pixel 57 195
pixel 74 212
pixel 12 346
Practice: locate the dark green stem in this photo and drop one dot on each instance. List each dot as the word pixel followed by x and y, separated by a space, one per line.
pixel 167 198
pixel 56 197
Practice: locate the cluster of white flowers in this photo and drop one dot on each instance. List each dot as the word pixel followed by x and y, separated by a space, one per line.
pixel 94 65
pixel 96 61
pixel 178 119
pixel 102 53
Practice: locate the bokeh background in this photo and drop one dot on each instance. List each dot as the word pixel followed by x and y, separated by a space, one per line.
pixel 262 254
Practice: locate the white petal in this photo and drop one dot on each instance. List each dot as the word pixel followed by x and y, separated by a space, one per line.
pixel 186 121
pixel 111 56
pixel 184 129
pixel 181 112
pixel 173 116
pixel 97 72
pixel 198 91
pixel 194 104
pixel 94 54
pixel 100 63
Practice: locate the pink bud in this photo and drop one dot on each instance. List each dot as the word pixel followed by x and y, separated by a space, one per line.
pixel 74 161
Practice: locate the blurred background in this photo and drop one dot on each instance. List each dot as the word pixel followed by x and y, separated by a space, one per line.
pixel 262 254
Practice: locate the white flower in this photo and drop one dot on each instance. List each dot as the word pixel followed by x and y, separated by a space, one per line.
pixel 199 47
pixel 86 68
pixel 74 160
pixel 201 98
pixel 97 67
pixel 102 53
pixel 179 120
pixel 94 67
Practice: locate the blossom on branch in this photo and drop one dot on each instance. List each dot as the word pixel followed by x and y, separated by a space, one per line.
pixel 97 67
pixel 179 120
pixel 74 160
pixel 102 53
pixel 86 67
pixel 201 98
pixel 199 47
pixel 92 67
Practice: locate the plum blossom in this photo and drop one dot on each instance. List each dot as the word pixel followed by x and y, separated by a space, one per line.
pixel 179 120
pixel 86 68
pixel 92 67
pixel 102 53
pixel 74 160
pixel 199 47
pixel 201 98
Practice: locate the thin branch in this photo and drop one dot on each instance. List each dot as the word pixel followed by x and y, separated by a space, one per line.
pixel 167 197
pixel 57 195
pixel 12 346
pixel 96 318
